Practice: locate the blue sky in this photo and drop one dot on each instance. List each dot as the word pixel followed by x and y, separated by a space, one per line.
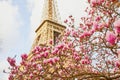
pixel 18 21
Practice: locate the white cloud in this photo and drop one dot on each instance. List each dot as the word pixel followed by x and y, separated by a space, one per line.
pixel 9 25
pixel 9 32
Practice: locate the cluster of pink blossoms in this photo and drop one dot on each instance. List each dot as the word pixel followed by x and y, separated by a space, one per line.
pixel 117 64
pixel 95 2
pixel 51 60
pixel 117 26
pixel 111 36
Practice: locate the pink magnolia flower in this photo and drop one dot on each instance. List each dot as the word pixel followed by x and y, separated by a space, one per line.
pixel 37 52
pixel 98 18
pixel 11 61
pixel 110 37
pixel 66 21
pixel 34 64
pixel 31 75
pixel 106 24
pixel 45 54
pixel 67 32
pixel 39 67
pixel 85 61
pixel 51 61
pixel 95 25
pixel 117 26
pixel 117 63
pixel 55 51
pixel 60 46
pixel 10 77
pixel 23 63
pixel 29 64
pixel 38 56
pixel 92 31
pixel 70 16
pixel 75 54
pixel 56 59
pixel 88 23
pixel 35 72
pixel 45 61
pixel 51 42
pixel 72 20
pixel 74 33
pixel 44 48
pixel 89 1
pixel 24 56
pixel 100 1
pixel 86 33
pixel 77 58
pixel 117 29
pixel 34 50
pixel 70 44
pixel 37 48
pixel 96 2
pixel 93 2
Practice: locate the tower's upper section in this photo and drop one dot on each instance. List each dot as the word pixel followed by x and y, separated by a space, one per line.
pixel 50 27
pixel 50 11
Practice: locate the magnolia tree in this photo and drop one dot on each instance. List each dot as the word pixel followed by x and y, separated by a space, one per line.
pixel 90 51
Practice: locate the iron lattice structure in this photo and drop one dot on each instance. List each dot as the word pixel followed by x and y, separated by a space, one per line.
pixel 50 25
pixel 50 11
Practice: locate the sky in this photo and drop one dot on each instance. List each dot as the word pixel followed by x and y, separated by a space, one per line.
pixel 19 20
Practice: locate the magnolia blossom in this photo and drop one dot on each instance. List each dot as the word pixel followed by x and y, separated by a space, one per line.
pixel 96 2
pixel 45 54
pixel 10 77
pixel 110 37
pixel 117 63
pixel 85 61
pixel 95 25
pixel 117 26
pixel 117 30
pixel 24 56
pixel 55 51
pixel 51 42
pixel 39 67
pixel 51 60
pixel 98 18
pixel 31 75
pixel 66 21
pixel 11 61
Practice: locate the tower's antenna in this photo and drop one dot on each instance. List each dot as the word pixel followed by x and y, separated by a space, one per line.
pixel 50 11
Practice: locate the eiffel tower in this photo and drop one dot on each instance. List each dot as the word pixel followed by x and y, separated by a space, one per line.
pixel 50 27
